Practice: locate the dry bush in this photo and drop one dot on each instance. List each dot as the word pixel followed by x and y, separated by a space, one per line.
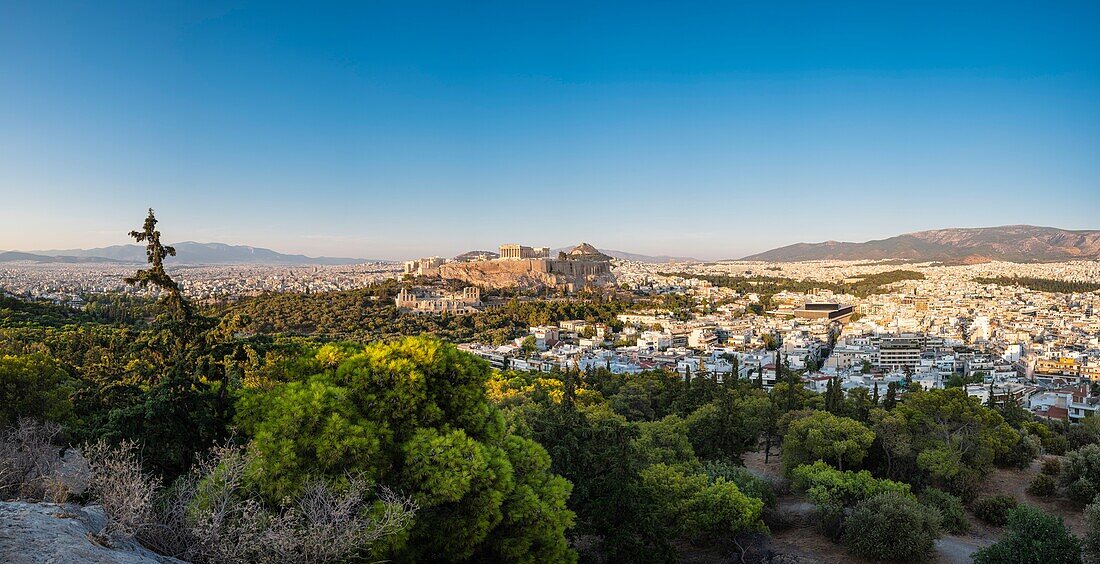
pixel 118 483
pixel 211 515
pixel 30 462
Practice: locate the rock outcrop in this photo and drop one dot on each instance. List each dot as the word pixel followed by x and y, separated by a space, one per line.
pixel 33 533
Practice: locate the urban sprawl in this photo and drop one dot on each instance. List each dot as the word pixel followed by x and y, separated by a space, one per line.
pixel 946 325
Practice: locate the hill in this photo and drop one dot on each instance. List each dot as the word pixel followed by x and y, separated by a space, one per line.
pixel 1014 243
pixel 635 257
pixel 187 252
pixel 16 256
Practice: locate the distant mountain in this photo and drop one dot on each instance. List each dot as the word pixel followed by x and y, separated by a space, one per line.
pixel 190 252
pixel 16 256
pixel 622 255
pixel 1014 243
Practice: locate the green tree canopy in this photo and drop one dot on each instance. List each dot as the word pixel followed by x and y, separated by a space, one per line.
pixel 413 415
pixel 824 436
pixel 34 386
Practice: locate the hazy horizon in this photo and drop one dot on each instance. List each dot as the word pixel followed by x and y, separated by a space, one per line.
pixel 400 130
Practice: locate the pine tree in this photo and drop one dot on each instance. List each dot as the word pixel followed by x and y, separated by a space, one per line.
pixel 874 398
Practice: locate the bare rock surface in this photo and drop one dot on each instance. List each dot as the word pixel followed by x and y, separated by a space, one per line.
pixel 33 533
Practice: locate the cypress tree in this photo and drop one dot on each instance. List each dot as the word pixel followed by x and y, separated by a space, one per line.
pixel 891 400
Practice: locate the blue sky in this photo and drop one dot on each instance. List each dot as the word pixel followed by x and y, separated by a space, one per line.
pixel 398 129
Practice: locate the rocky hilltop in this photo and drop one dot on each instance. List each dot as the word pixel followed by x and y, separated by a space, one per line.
pixel 582 267
pixel 1014 243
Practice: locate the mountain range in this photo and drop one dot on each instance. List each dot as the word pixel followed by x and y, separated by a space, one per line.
pixel 1013 243
pixel 187 252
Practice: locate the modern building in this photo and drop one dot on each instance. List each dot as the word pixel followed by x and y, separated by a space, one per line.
pixel 825 311
pixel 899 352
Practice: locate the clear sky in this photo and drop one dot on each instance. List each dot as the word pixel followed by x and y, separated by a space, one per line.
pixel 398 129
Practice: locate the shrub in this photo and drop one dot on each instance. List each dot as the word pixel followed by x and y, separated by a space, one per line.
pixel 951 510
pixel 1043 485
pixel 1032 536
pixel 827 486
pixel 30 462
pixel 1091 543
pixel 213 515
pixel 748 483
pixel 994 509
pixel 1052 466
pixel 891 526
pixel 121 487
pixel 1025 450
pixel 1081 473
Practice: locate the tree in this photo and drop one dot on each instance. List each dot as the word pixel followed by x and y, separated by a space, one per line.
pixel 529 345
pixel 1032 536
pixel 891 526
pixel 834 397
pixel 730 425
pixel 694 505
pixel 184 407
pixel 34 386
pixel 824 436
pixel 955 438
pixel 413 414
pixel 894 440
pixel 1080 474
pixel 891 400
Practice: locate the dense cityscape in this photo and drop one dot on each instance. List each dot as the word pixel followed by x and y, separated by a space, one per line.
pixel 549 282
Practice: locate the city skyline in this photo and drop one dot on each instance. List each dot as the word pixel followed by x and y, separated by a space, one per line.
pixel 398 131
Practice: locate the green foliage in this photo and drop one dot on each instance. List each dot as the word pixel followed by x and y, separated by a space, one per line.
pixel 1043 485
pixel 731 425
pixel 826 486
pixel 952 512
pixel 413 414
pixel 945 437
pixel 824 436
pixel 1081 473
pixel 1052 466
pixel 994 509
pixel 768 286
pixel 695 506
pixel 34 386
pixel 664 442
pixel 746 481
pixel 1032 537
pixel 1090 545
pixel 595 449
pixel 891 526
pixel 369 314
pixel 1042 284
